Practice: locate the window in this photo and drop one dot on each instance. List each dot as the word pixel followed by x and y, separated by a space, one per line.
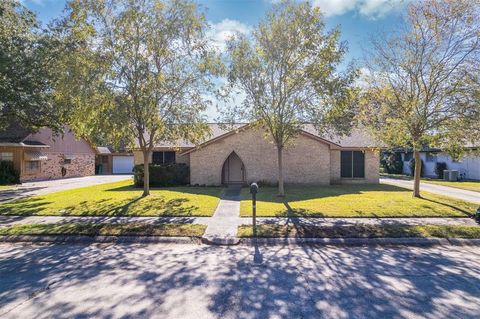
pixel 408 156
pixel 32 167
pixel 163 157
pixel 431 157
pixel 6 157
pixel 67 161
pixel 352 164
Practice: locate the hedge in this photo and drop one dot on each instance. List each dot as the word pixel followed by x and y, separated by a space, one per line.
pixel 392 162
pixel 163 175
pixel 8 174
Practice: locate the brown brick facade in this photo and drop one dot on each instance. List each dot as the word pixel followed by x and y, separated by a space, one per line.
pixel 80 165
pixel 306 161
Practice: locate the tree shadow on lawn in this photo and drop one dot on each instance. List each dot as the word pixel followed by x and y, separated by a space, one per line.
pixel 305 193
pixel 153 205
pixel 214 190
pixel 222 282
pixel 135 206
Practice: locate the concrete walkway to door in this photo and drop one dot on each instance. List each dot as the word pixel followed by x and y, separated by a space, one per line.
pixel 222 227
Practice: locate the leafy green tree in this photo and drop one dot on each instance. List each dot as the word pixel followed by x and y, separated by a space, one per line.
pixel 422 81
pixel 288 72
pixel 28 57
pixel 147 64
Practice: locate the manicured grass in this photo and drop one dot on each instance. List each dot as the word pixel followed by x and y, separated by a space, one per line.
pixel 353 201
pixel 361 231
pixel 119 199
pixel 470 186
pixel 90 229
pixel 3 187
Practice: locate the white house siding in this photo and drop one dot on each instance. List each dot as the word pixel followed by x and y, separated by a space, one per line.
pixel 469 165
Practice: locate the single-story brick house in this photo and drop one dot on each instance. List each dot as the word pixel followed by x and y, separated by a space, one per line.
pixel 242 154
pixel 43 155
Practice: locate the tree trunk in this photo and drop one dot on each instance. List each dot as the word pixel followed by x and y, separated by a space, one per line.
pixel 146 173
pixel 417 174
pixel 281 189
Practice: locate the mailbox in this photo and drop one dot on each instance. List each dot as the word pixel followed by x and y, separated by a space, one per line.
pixel 253 188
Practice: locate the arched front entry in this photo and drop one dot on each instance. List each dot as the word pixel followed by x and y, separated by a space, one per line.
pixel 233 171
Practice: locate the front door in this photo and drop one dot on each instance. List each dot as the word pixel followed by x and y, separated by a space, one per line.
pixel 233 170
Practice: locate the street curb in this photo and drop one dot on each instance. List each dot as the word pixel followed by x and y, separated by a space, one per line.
pixel 220 241
pixel 402 241
pixel 464 241
pixel 78 239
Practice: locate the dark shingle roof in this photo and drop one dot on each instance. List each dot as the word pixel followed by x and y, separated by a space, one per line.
pixel 14 133
pixel 358 137
pixel 103 150
pixel 216 130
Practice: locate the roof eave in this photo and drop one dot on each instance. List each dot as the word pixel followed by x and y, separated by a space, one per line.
pixel 21 144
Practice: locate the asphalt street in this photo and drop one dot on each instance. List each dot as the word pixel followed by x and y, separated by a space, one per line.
pixel 202 281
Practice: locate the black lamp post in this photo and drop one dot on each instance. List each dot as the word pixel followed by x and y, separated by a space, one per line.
pixel 254 191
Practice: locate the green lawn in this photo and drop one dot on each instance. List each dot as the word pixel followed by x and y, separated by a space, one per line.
pixel 360 231
pixel 89 229
pixel 3 187
pixel 119 199
pixel 353 201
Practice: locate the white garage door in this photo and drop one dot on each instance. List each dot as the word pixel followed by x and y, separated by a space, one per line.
pixel 122 164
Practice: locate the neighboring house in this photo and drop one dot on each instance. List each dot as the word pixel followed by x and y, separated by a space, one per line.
pixel 468 167
pixel 42 155
pixel 243 155
pixel 108 161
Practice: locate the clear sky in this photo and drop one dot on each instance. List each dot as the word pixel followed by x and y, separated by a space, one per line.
pixel 359 20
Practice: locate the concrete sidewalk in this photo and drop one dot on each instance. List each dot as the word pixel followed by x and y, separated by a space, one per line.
pixel 466 195
pixel 228 219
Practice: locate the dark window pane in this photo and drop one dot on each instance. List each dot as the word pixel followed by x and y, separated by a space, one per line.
pixel 169 157
pixel 157 158
pixel 358 164
pixel 346 164
pixel 408 157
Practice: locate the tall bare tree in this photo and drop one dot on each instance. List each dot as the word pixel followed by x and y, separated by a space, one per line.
pixel 288 71
pixel 423 80
pixel 150 64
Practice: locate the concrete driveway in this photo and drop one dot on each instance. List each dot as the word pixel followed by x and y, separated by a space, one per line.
pixel 51 186
pixel 199 281
pixel 466 195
